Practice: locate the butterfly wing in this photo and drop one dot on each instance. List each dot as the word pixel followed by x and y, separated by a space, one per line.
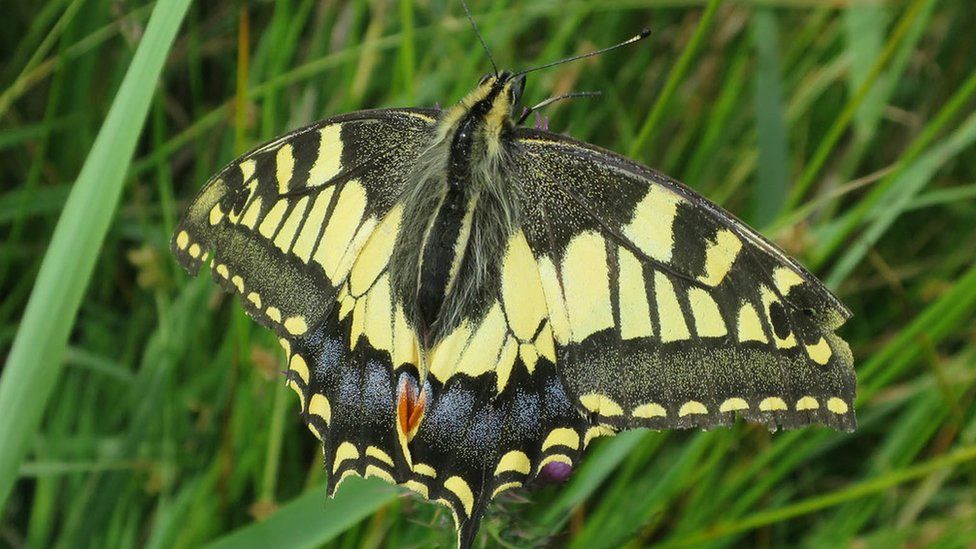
pixel 623 300
pixel 302 229
pixel 667 311
pixel 284 222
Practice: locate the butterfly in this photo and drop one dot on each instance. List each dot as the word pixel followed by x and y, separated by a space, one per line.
pixel 466 303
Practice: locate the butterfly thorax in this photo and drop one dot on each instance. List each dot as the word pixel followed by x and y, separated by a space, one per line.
pixel 458 212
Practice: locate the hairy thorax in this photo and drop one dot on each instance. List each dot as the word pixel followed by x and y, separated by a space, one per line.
pixel 458 212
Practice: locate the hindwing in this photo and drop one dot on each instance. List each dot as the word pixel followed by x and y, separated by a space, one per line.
pixel 490 416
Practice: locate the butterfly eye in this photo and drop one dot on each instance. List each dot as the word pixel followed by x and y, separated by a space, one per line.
pixel 484 79
pixel 516 89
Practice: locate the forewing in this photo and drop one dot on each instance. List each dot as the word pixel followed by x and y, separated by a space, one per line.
pixel 284 222
pixel 668 311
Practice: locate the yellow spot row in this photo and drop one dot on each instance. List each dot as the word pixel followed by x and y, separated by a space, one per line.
pixel 604 406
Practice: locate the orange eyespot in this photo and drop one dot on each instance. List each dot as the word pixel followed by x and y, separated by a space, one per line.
pixel 411 403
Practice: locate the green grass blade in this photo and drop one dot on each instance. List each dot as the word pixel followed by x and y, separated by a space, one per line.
pixel 769 193
pixel 850 493
pixel 901 193
pixel 310 519
pixel 32 368
pixel 645 135
pixel 842 122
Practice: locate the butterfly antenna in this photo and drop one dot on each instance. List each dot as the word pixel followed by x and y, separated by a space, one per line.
pixel 643 34
pixel 552 100
pixel 484 44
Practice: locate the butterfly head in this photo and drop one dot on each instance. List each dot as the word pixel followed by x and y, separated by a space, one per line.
pixel 505 88
pixel 496 98
pixel 493 103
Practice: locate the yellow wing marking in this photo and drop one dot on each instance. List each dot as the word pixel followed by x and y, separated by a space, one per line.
pixel 406 348
pixel 296 325
pixel 505 487
pixel 554 458
pixel 649 410
pixel 216 214
pixel 238 283
pixel 342 478
pixel 708 319
pixel 837 405
pixel 374 471
pixel 443 358
pixel 378 325
pixel 345 451
pixel 309 234
pixel 338 235
pixel 586 281
pixel 733 404
pixel 807 403
pixel 375 255
pixel 819 352
pixel 528 355
pixel 635 313
pixel 249 218
pixel 522 294
pixel 424 469
pixel 319 405
pixel 274 314
pixel 298 365
pixel 692 407
pixel 288 230
pixel 673 325
pixel 284 167
pixel 481 354
pixel 562 436
pixel 247 170
pixel 768 298
pixel 514 460
pixel 379 454
pixel 301 395
pixel 601 404
pixel 785 279
pixel 273 219
pixel 460 488
pixel 749 328
pixel 770 404
pixel 720 255
pixel 652 226
pixel 556 304
pixel 596 431
pixel 328 162
pixel 418 487
pixel 505 363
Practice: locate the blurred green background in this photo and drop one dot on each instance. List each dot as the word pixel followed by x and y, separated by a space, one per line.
pixel 139 407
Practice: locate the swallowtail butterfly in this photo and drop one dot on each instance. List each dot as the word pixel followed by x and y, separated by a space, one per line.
pixel 466 303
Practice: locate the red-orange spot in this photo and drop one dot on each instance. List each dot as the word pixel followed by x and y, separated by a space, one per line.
pixel 410 407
